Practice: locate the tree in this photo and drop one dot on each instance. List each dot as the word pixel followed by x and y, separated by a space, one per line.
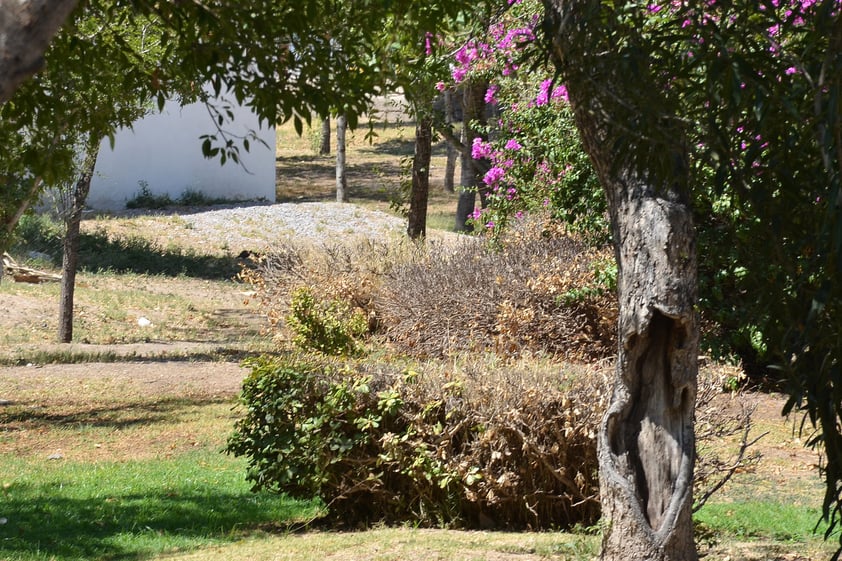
pixel 646 441
pixel 450 166
pixel 341 177
pixel 26 28
pixel 324 137
pixel 72 237
pixel 417 219
pixel 471 181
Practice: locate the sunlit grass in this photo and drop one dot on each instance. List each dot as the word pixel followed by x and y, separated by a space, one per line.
pixel 63 511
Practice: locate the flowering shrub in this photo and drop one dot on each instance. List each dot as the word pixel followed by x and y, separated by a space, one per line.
pixel 537 162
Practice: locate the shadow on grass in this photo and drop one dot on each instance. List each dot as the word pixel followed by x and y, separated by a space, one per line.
pixel 119 416
pixel 134 254
pixel 47 521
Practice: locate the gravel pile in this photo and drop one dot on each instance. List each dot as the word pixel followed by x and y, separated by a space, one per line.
pixel 256 227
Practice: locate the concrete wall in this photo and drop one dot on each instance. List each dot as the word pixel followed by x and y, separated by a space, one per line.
pixel 164 151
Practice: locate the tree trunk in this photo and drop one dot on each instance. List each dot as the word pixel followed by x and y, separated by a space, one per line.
pixel 417 227
pixel 473 114
pixel 450 166
pixel 341 179
pixel 324 139
pixel 26 29
pixel 70 245
pixel 646 440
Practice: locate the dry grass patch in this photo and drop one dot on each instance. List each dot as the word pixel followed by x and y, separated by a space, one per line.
pixel 398 544
pixel 181 309
pixel 109 412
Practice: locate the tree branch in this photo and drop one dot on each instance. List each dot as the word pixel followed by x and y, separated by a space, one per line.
pixel 26 29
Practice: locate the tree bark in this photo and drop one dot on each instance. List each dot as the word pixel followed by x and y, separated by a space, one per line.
pixel 341 179
pixel 324 138
pixel 26 29
pixel 70 245
pixel 646 440
pixel 417 226
pixel 450 165
pixel 473 114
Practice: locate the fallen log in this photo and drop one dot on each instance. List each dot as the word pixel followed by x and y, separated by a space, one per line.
pixel 19 273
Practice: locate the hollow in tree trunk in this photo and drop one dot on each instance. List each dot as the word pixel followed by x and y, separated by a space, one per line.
pixel 70 244
pixel 341 178
pixel 646 440
pixel 420 190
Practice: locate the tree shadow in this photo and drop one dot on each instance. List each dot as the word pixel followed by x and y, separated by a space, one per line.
pixel 119 416
pixel 99 252
pixel 47 522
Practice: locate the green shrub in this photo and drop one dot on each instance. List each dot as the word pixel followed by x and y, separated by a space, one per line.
pixel 506 449
pixel 332 327
pixel 145 198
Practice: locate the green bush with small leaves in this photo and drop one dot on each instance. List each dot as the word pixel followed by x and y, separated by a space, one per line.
pixel 331 327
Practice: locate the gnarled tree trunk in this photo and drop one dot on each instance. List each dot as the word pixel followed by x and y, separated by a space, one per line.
pixel 646 440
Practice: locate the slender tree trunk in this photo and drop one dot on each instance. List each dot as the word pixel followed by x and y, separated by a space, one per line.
pixel 26 29
pixel 646 440
pixel 70 245
pixel 341 179
pixel 473 113
pixel 417 227
pixel 450 166
pixel 324 139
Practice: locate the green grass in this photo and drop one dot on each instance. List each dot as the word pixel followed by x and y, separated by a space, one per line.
pixel 764 520
pixel 66 511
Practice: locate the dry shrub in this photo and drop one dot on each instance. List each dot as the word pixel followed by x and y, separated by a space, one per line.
pixel 348 272
pixel 477 448
pixel 473 445
pixel 540 292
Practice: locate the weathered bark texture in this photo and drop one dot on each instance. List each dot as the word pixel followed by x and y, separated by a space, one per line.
pixel 420 191
pixel 70 245
pixel 646 441
pixel 26 29
pixel 450 165
pixel 324 138
pixel 341 178
pixel 473 114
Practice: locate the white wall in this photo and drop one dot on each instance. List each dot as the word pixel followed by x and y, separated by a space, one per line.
pixel 164 150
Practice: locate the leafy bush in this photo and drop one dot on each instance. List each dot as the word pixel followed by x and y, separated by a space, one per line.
pixel 349 274
pixel 331 327
pixel 473 445
pixel 503 449
pixel 145 198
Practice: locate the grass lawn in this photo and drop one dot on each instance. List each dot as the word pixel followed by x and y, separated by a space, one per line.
pixel 63 510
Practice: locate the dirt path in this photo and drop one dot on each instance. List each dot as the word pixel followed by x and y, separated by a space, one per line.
pixel 82 383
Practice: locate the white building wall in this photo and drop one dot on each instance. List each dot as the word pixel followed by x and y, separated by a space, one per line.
pixel 164 151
